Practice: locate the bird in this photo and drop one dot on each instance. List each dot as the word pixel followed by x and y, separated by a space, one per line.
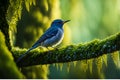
pixel 52 37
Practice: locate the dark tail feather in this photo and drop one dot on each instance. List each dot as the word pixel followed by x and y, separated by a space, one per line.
pixel 24 55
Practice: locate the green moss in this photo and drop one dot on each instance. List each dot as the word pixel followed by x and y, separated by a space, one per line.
pixel 70 53
pixel 8 68
pixel 3 22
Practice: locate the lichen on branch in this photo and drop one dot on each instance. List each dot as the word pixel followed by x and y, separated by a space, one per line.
pixel 70 53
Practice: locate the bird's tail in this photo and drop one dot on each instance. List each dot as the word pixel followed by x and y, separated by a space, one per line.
pixel 24 54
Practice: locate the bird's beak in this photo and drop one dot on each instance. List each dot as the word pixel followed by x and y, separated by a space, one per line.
pixel 66 21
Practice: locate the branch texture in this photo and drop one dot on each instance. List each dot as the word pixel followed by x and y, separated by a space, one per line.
pixel 70 53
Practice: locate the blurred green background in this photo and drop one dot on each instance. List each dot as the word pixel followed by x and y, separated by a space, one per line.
pixel 90 19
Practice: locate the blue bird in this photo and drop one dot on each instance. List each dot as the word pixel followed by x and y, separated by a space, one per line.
pixel 51 38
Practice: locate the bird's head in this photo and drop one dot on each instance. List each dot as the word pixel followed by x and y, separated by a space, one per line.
pixel 58 23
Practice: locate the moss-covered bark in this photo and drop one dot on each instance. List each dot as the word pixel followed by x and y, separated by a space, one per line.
pixel 70 53
pixel 3 22
pixel 8 68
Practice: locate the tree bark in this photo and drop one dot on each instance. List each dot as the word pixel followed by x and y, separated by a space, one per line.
pixel 70 53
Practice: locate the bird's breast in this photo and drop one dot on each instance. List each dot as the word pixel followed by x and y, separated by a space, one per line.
pixel 55 40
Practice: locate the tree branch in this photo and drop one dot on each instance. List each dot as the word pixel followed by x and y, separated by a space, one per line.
pixel 70 53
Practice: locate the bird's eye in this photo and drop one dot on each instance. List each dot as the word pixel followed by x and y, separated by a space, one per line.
pixel 59 22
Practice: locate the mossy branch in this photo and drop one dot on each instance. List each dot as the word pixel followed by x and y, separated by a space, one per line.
pixel 70 53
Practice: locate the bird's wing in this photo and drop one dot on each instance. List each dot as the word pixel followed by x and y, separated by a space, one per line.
pixel 48 34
